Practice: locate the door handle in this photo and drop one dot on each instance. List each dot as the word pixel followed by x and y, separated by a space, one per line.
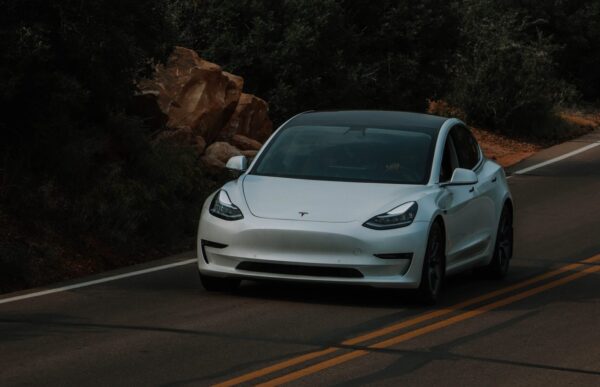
pixel 494 179
pixel 472 189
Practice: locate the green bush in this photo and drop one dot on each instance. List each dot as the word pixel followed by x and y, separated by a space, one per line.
pixel 505 76
pixel 305 54
pixel 574 27
pixel 507 64
pixel 71 154
pixel 153 195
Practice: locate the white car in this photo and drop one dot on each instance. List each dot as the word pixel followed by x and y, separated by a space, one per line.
pixel 380 198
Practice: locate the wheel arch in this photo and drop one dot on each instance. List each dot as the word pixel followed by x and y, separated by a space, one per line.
pixel 509 202
pixel 438 218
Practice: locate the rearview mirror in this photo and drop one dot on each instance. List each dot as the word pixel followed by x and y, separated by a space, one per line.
pixel 237 163
pixel 462 176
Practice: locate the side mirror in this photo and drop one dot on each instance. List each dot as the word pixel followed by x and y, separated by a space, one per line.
pixel 462 176
pixel 237 163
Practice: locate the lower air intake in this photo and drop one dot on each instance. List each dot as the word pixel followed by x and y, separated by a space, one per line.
pixel 311 271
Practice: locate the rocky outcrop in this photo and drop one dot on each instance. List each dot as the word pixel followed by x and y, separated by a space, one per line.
pixel 205 107
pixel 249 153
pixel 217 154
pixel 250 119
pixel 177 136
pixel 221 151
pixel 200 144
pixel 244 143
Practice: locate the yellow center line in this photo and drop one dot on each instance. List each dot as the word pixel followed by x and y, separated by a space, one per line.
pixel 401 325
pixel 427 329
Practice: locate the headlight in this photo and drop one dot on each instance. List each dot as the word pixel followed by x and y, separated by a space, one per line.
pixel 400 216
pixel 222 207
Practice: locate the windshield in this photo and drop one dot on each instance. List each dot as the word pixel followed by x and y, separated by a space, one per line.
pixel 348 153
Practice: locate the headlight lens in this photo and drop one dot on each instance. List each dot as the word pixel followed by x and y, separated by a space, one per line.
pixel 400 216
pixel 222 207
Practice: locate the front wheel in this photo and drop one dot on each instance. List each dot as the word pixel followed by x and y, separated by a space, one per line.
pixel 498 267
pixel 433 266
pixel 217 284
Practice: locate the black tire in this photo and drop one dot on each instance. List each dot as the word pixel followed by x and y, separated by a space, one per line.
pixel 432 277
pixel 503 249
pixel 218 284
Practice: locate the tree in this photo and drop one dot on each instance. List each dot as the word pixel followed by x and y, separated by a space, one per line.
pixel 303 54
pixel 574 27
pixel 71 152
pixel 504 75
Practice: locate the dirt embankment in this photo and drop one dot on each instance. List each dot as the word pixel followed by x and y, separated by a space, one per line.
pixel 507 150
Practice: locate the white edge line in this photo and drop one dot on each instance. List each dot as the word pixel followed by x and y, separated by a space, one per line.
pixel 559 158
pixel 97 281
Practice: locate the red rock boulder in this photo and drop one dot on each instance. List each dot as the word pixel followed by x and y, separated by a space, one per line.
pixel 195 93
pixel 201 104
pixel 244 143
pixel 250 118
pixel 218 153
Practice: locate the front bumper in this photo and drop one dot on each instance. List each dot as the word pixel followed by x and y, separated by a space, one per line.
pixel 317 251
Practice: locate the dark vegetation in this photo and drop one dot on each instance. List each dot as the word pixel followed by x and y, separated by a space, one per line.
pixel 83 189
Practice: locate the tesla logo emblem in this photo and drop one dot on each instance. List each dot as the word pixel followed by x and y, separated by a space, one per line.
pixel 302 213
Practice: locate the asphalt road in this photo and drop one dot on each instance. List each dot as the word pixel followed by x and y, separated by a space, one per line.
pixel 540 326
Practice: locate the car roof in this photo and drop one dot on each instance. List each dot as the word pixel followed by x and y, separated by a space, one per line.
pixel 370 118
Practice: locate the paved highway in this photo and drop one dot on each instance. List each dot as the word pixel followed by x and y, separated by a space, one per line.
pixel 540 326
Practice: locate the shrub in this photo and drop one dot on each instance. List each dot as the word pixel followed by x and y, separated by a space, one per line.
pixel 574 26
pixel 72 158
pixel 504 76
pixel 304 54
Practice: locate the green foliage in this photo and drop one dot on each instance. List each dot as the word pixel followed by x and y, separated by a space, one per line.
pixel 574 27
pixel 505 75
pixel 71 154
pixel 303 54
pixel 507 63
pixel 153 194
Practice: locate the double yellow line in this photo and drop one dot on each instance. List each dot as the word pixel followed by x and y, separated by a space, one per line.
pixel 414 321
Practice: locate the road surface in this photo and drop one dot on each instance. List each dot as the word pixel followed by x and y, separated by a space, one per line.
pixel 540 326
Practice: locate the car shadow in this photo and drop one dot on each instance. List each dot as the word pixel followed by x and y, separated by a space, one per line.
pixel 456 288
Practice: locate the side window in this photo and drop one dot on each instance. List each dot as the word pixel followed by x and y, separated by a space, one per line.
pixel 467 149
pixel 449 161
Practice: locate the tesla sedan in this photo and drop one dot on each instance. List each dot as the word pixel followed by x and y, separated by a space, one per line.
pixel 378 198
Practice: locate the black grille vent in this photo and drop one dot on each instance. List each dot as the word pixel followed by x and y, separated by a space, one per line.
pixel 395 256
pixel 205 243
pixel 312 271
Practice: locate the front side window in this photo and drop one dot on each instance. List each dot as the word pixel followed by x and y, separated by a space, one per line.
pixel 349 153
pixel 466 146
pixel 449 161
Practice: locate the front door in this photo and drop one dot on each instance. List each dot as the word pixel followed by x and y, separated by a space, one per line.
pixel 457 205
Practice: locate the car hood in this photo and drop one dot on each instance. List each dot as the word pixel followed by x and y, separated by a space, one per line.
pixel 322 201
